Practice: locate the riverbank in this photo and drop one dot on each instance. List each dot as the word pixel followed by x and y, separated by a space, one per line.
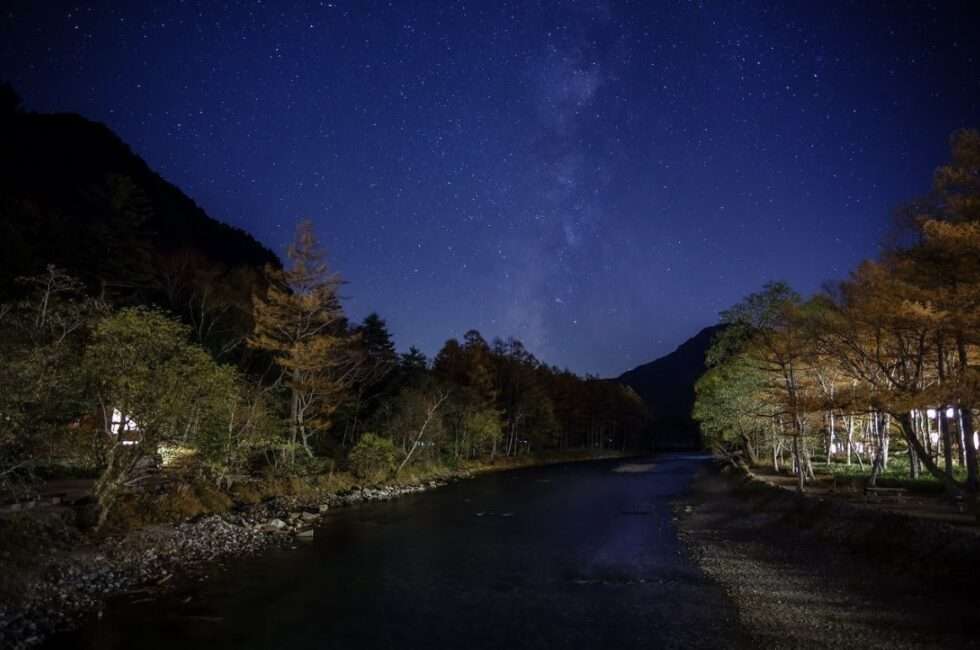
pixel 54 573
pixel 806 571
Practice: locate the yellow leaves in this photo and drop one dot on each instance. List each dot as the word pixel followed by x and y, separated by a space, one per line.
pixel 300 322
pixel 958 183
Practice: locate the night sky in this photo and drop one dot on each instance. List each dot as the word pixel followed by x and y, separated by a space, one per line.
pixel 596 179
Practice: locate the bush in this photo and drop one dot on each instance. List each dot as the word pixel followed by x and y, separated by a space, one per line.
pixel 372 458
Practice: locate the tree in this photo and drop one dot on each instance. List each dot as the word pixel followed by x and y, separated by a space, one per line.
pixel 372 382
pixel 732 408
pixel 10 101
pixel 881 330
pixel 216 301
pixel 300 322
pixel 123 259
pixel 412 367
pixel 372 458
pixel 426 418
pixel 777 348
pixel 41 391
pixel 151 387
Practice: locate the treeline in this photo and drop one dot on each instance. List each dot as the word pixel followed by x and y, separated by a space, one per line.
pixel 223 373
pixel 881 364
pixel 120 389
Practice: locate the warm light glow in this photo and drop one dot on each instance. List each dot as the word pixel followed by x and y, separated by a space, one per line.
pixel 976 440
pixel 934 437
pixel 931 413
pixel 120 423
pixel 950 412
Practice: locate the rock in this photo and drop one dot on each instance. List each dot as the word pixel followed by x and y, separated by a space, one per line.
pixel 324 507
pixel 276 523
pixel 305 534
pixel 309 516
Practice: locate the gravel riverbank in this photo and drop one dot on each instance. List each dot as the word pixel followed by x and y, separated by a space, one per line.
pixel 810 574
pixel 67 585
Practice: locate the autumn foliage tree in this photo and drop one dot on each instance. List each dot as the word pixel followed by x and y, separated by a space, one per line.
pixel 886 357
pixel 299 321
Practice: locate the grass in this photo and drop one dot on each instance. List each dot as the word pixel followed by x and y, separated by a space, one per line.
pixel 897 474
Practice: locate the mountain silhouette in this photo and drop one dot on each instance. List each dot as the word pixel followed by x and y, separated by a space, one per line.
pixel 667 386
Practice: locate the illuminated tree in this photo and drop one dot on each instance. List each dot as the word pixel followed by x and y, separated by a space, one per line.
pixel 732 408
pixel 152 387
pixel 300 322
pixel 777 346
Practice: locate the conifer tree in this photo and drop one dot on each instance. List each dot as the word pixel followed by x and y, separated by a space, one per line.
pixel 300 322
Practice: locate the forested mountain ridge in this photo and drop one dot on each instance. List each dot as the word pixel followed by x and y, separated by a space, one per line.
pixel 666 385
pixel 144 341
pixel 73 194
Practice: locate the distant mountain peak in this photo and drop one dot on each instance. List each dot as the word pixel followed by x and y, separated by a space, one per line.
pixel 666 385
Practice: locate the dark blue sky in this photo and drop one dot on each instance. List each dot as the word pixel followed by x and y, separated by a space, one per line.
pixel 599 179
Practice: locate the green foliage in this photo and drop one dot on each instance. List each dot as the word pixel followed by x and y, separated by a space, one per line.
pixel 372 458
pixel 41 389
pixel 731 404
pixel 406 415
pixel 484 427
pixel 141 363
pixel 250 432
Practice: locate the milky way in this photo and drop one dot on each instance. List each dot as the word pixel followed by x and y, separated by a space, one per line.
pixel 597 179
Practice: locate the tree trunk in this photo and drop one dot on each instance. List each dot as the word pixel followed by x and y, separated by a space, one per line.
pixel 293 423
pixel 798 465
pixel 432 412
pixel 946 436
pixel 967 413
pixel 749 450
pixel 905 425
pixel 913 464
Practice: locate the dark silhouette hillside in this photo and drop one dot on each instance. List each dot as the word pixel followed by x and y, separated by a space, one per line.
pixel 667 386
pixel 73 194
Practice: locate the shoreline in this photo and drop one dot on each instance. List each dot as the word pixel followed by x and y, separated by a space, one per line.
pixel 803 571
pixel 68 584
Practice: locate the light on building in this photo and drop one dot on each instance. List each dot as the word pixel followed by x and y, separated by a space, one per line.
pixel 950 412
pixel 976 440
pixel 934 437
pixel 931 413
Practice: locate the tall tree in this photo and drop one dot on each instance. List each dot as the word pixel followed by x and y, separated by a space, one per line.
pixel 373 381
pixel 300 322
pixel 777 347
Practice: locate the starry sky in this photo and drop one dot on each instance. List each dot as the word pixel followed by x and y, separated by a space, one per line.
pixel 598 179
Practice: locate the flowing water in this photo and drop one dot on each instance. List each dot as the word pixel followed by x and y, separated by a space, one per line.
pixel 582 555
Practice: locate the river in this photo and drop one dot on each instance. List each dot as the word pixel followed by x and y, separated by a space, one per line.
pixel 582 555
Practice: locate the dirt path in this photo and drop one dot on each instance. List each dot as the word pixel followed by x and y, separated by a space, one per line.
pixel 796 587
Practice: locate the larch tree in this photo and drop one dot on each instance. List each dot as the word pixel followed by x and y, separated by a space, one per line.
pixel 951 243
pixel 300 322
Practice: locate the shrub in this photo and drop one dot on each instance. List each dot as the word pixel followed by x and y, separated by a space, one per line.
pixel 372 458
